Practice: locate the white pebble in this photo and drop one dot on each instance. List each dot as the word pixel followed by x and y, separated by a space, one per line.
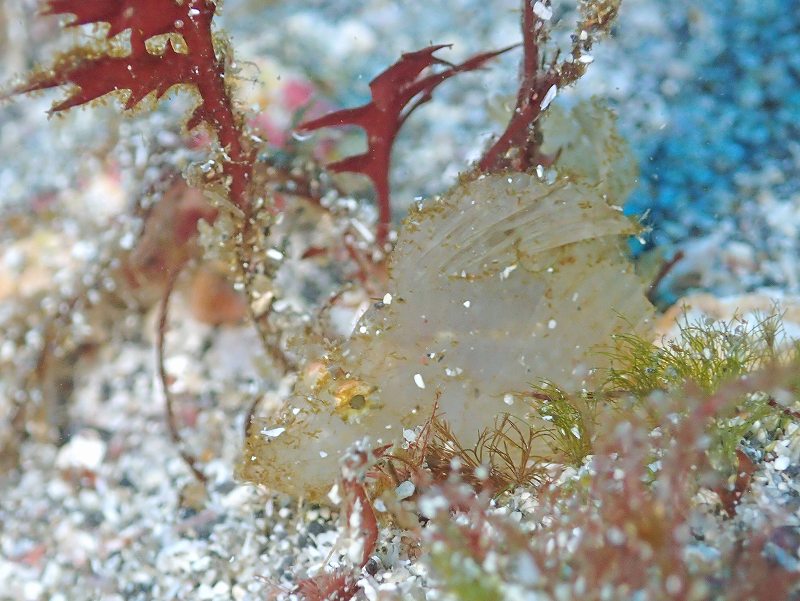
pixel 405 489
pixel 273 432
pixel 542 11
pixel 84 451
pixel 334 496
pixel 274 254
pixel 32 590
pixel 781 463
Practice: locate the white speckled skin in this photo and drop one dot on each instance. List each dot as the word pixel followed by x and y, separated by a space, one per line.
pixel 499 284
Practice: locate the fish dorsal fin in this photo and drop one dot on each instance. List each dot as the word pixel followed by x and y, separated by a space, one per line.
pixel 484 225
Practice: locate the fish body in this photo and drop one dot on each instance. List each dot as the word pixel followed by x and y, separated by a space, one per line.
pixel 502 282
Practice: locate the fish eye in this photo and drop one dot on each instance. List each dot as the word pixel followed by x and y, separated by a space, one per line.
pixel 357 401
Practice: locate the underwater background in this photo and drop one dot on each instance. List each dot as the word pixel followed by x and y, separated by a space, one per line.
pixel 707 95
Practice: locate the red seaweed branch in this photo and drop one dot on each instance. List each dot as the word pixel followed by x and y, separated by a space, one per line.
pixel 518 147
pixel 396 93
pixel 169 43
pixel 143 67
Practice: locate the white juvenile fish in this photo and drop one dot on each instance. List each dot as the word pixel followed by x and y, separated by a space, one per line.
pixel 502 282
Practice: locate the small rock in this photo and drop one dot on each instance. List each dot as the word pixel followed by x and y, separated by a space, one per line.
pixel 85 451
pixel 194 496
